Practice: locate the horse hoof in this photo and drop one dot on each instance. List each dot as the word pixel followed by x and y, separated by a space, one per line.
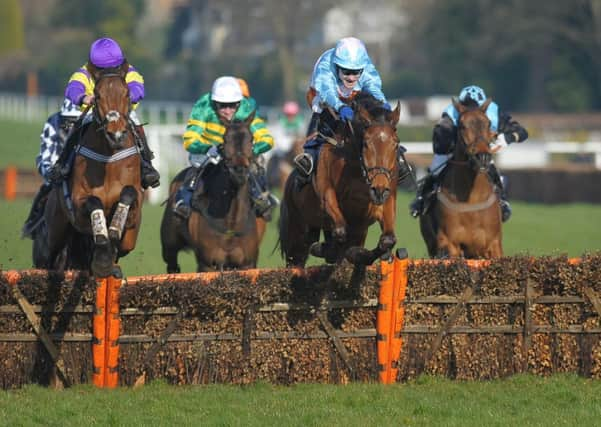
pixel 339 234
pixel 357 255
pixel 401 253
pixel 318 250
pixel 386 242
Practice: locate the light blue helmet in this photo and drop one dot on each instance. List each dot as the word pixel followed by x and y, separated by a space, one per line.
pixel 350 53
pixel 473 92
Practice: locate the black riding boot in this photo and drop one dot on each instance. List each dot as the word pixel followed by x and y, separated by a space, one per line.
pixel 495 178
pixel 36 212
pixel 183 197
pixel 425 186
pixel 263 201
pixel 150 176
pixel 404 167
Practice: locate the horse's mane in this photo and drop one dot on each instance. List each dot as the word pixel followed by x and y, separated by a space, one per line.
pixel 374 106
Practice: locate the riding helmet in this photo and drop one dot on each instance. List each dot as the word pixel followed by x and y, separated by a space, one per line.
pixel 350 53
pixel 226 89
pixel 473 92
pixel 106 53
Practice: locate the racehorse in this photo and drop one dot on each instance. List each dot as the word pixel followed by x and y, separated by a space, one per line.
pixel 222 230
pixel 103 188
pixel 465 218
pixel 354 185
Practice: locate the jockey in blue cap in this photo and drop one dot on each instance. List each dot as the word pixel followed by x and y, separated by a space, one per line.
pixel 338 75
pixel 443 142
pixel 105 53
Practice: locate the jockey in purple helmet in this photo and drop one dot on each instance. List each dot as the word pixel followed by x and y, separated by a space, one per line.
pixel 106 53
pixel 338 75
pixel 443 143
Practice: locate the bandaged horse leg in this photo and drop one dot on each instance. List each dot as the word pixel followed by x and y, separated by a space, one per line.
pixel 104 254
pixel 127 198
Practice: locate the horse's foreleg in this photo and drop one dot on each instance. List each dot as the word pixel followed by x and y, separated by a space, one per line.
pixel 127 198
pixel 102 260
pixel 332 208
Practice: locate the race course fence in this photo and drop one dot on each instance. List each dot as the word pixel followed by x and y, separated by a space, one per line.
pixel 332 324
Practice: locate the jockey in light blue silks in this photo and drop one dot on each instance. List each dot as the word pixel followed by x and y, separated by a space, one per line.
pixel 443 142
pixel 338 75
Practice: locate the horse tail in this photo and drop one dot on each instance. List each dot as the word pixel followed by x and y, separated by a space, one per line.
pixel 284 220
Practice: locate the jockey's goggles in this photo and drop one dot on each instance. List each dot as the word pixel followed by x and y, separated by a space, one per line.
pixel 349 72
pixel 224 105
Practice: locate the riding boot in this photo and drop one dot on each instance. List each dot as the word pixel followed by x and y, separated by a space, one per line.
pixel 263 201
pixel 183 197
pixel 425 186
pixel 150 176
pixel 404 166
pixel 497 181
pixel 305 162
pixel 37 210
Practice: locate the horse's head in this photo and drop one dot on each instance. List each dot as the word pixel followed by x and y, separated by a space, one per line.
pixel 237 149
pixel 112 103
pixel 474 134
pixel 379 149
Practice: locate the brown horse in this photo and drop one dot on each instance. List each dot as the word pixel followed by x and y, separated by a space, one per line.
pixel 103 188
pixel 465 218
pixel 353 187
pixel 223 230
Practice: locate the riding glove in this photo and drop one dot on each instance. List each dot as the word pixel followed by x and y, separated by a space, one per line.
pixel 499 144
pixel 346 113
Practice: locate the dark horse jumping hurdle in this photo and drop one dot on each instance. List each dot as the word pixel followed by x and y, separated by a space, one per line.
pixel 103 188
pixel 465 218
pixel 222 230
pixel 353 187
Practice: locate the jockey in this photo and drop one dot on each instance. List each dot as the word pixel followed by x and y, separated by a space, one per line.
pixel 443 142
pixel 106 53
pixel 52 141
pixel 338 75
pixel 291 121
pixel 204 133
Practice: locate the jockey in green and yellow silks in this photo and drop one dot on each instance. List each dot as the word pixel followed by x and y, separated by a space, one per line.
pixel 204 133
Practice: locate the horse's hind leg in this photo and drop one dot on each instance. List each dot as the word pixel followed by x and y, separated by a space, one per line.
pixel 171 240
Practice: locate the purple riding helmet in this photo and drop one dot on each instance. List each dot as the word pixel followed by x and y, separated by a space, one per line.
pixel 106 53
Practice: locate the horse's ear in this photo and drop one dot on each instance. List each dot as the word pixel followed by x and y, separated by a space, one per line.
pixel 395 114
pixel 484 106
pixel 124 68
pixel 364 115
pixel 250 117
pixel 93 70
pixel 458 105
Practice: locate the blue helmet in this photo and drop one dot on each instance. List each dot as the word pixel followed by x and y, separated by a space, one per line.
pixel 472 92
pixel 350 53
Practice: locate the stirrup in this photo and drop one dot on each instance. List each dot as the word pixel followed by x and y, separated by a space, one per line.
pixel 182 209
pixel 304 163
pixel 505 210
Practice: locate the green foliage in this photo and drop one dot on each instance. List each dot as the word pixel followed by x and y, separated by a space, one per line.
pixel 567 89
pixel 12 31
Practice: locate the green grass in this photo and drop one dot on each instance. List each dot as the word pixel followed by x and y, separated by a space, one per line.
pixel 533 229
pixel 522 400
pixel 19 144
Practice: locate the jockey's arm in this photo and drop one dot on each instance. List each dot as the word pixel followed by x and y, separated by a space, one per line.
pixel 262 139
pixel 372 82
pixel 135 83
pixel 198 138
pixel 513 131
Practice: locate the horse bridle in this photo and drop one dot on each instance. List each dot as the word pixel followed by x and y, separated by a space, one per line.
pixel 369 174
pixel 480 160
pixel 112 115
